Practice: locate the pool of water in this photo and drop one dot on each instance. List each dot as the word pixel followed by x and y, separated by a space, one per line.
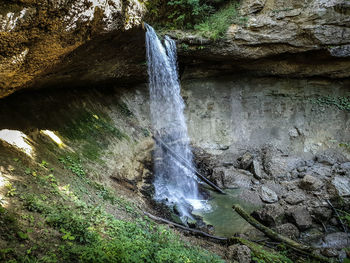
pixel 226 222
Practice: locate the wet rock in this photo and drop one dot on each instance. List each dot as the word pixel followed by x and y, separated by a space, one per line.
pixel 341 185
pixel 301 217
pixel 240 253
pixel 269 215
pixel 230 177
pixel 295 197
pixel 256 169
pixel 267 195
pixel 310 183
pixel 288 230
pixel 337 240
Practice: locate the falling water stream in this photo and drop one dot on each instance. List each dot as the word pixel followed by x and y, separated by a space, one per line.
pixel 175 184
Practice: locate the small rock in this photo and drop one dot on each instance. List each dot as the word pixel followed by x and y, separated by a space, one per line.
pixel 309 163
pixel 288 230
pixel 310 183
pixel 301 217
pixel 267 195
pixel 342 185
pixel 256 169
pixel 293 133
pixel 269 215
pixel 344 168
pixel 241 253
pixel 246 160
pixel 325 159
pixel 330 252
pixel 295 197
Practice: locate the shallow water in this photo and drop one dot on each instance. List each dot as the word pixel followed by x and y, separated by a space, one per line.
pixel 226 222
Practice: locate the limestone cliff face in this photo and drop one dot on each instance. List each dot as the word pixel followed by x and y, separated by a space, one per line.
pixel 299 38
pixel 36 35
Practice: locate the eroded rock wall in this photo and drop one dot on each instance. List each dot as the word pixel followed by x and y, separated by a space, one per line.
pixel 36 35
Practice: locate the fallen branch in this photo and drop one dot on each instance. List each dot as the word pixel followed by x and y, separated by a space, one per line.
pixel 277 237
pixel 185 163
pixel 184 228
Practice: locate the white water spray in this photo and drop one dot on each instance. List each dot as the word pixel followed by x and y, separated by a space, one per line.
pixel 174 183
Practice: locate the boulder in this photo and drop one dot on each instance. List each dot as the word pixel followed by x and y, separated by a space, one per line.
pixel 288 230
pixel 322 213
pixel 269 215
pixel 341 185
pixel 267 195
pixel 337 240
pixel 230 177
pixel 241 253
pixel 295 197
pixel 278 166
pixel 301 217
pixel 310 183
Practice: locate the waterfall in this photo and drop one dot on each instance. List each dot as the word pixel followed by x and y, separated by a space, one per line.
pixel 174 183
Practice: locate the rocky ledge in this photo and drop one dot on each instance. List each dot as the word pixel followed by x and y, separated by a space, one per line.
pixel 47 42
pixel 294 38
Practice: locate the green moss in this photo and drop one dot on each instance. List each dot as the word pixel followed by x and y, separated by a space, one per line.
pixel 92 131
pixel 261 254
pixel 124 109
pixel 342 103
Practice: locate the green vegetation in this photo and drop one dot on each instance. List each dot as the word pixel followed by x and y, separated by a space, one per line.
pixel 262 254
pixel 85 232
pixel 216 25
pixel 177 14
pixel 342 103
pixel 345 145
pixel 209 19
pixel 92 131
pixel 73 163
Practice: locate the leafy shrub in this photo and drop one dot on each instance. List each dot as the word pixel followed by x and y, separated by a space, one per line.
pixel 180 13
pixel 74 164
pixel 216 25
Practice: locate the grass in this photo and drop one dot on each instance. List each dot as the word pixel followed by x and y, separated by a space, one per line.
pixel 216 25
pixel 58 221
